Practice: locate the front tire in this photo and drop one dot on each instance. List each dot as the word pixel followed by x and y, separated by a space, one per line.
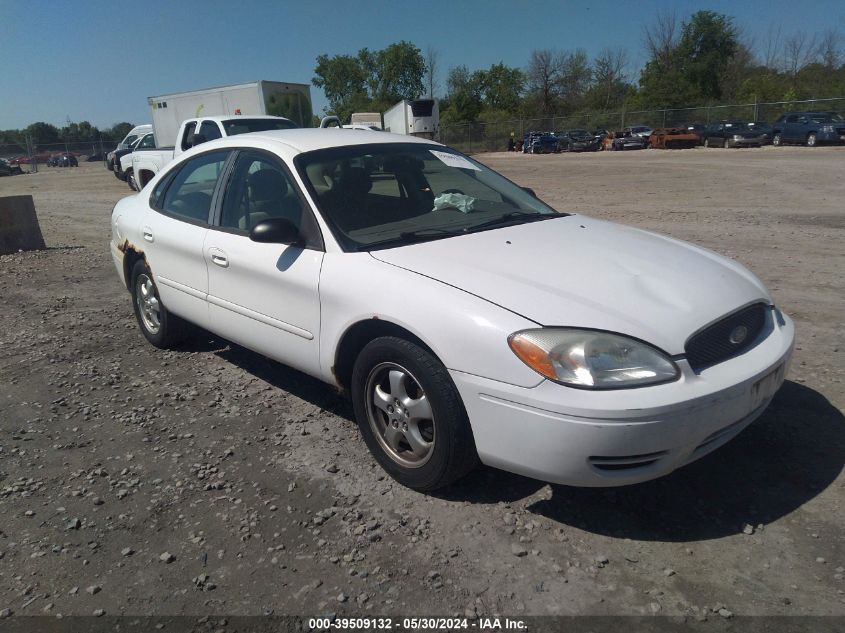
pixel 727 143
pixel 411 415
pixel 130 180
pixel 706 142
pixel 812 139
pixel 777 141
pixel 161 328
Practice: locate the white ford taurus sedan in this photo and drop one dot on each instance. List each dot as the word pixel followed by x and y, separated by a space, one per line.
pixel 467 319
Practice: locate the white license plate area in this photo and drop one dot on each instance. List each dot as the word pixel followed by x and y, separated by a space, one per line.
pixel 766 387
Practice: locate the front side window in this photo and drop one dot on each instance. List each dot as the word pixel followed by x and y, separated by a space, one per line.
pixel 147 142
pixel 259 190
pixel 189 194
pixel 388 194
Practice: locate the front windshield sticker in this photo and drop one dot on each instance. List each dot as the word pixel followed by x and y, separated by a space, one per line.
pixel 453 160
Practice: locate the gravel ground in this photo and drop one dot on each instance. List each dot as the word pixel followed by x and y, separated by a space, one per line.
pixel 210 480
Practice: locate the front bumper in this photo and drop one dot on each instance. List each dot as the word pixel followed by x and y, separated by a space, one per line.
pixel 611 438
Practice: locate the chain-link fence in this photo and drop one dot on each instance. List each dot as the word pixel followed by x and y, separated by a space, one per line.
pixel 28 153
pixel 493 137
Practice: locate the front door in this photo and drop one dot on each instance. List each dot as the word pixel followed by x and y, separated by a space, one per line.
pixel 265 296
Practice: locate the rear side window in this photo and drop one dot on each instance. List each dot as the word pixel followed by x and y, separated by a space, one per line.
pixel 210 130
pixel 189 194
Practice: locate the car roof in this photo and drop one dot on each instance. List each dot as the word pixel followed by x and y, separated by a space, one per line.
pixel 229 117
pixel 309 139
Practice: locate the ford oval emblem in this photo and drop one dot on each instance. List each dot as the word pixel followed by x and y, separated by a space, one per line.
pixel 738 334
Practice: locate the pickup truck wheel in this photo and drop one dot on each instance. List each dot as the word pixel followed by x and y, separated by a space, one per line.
pixel 812 139
pixel 777 141
pixel 411 415
pixel 159 327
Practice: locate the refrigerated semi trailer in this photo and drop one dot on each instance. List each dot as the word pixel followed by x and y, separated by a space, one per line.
pixel 417 117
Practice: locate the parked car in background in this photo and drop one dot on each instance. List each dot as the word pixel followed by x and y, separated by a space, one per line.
pixel 672 138
pixel 620 141
pixel 697 129
pixel 731 134
pixel 63 160
pixel 643 131
pixel 808 128
pixel 536 142
pixel 192 132
pixel 8 169
pixel 123 157
pixel 284 242
pixel 764 129
pixel 580 140
pixel 134 134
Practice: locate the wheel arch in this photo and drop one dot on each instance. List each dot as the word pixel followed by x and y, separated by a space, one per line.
pixel 358 335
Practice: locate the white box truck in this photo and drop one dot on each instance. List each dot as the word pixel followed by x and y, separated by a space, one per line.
pixel 277 98
pixel 186 119
pixel 418 117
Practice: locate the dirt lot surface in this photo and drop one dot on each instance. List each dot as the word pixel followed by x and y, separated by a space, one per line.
pixel 210 480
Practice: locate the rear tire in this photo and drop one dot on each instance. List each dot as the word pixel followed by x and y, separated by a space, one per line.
pixel 727 143
pixel 130 180
pixel 706 142
pixel 161 328
pixel 411 415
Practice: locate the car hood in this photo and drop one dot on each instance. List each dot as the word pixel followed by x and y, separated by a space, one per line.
pixel 579 272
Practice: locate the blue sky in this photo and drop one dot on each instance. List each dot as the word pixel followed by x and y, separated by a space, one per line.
pixel 98 60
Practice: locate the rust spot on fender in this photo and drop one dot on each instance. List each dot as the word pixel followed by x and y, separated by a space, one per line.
pixel 127 246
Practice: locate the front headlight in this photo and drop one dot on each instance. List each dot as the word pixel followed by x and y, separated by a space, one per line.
pixel 591 359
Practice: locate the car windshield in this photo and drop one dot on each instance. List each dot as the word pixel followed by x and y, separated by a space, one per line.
pixel 389 194
pixel 243 126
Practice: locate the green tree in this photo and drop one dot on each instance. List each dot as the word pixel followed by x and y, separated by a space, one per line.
pixel 708 43
pixel 343 80
pixel 501 87
pixel 463 98
pixel 118 131
pixel 42 133
pixel 371 79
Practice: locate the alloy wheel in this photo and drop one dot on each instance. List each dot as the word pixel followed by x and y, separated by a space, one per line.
pixel 400 415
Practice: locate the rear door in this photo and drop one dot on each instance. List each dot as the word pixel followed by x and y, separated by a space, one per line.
pixel 174 231
pixel 265 296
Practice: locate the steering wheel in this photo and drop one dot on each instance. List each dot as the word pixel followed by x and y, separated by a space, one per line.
pixel 458 191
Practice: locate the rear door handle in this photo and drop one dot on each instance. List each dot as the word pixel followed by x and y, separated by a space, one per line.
pixel 148 234
pixel 218 257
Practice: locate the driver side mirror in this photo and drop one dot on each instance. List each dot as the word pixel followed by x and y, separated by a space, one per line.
pixel 529 191
pixel 275 231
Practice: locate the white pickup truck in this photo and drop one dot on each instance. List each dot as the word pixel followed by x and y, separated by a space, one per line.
pixel 143 164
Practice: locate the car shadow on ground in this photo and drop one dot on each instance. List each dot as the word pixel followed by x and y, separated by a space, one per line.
pixel 280 376
pixel 792 453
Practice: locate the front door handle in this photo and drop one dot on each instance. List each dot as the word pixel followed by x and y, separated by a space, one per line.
pixel 148 234
pixel 218 257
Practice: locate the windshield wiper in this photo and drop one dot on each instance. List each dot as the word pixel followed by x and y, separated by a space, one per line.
pixel 412 237
pixel 514 215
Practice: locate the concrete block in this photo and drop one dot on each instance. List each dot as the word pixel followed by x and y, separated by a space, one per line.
pixel 19 229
